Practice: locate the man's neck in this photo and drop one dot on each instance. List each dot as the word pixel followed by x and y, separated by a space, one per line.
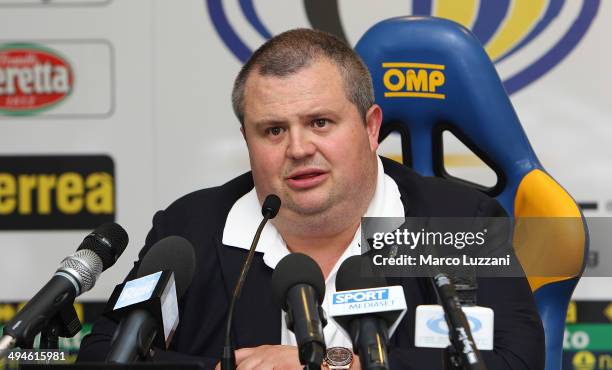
pixel 325 236
pixel 326 250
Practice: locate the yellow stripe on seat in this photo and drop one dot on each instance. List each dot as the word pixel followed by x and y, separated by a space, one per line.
pixel 549 234
pixel 460 11
pixel 523 16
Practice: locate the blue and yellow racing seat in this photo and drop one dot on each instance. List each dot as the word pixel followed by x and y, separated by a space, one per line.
pixel 432 75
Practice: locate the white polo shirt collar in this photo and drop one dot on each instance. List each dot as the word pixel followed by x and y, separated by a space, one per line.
pixel 245 216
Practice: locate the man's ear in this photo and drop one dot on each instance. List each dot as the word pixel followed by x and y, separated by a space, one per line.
pixel 242 132
pixel 373 121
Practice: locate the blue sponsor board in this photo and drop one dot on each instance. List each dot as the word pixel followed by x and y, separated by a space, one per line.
pixel 491 20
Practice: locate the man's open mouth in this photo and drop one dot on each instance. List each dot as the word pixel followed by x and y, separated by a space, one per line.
pixel 306 175
pixel 306 179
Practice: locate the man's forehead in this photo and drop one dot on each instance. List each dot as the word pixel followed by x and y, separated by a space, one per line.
pixel 320 70
pixel 317 87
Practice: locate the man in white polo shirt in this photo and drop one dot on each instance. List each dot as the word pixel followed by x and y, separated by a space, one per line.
pixel 313 147
pixel 306 106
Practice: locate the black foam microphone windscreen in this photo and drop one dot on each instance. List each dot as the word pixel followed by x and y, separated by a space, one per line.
pixel 171 253
pixel 294 269
pixel 270 206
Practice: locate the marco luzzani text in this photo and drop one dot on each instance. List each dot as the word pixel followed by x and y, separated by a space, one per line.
pixel 434 239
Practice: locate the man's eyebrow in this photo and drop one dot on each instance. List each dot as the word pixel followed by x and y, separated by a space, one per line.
pixel 269 122
pixel 273 121
pixel 320 113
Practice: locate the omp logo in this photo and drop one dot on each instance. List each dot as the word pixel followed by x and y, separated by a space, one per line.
pixel 56 192
pixel 413 80
pixel 32 78
pixel 552 28
pixel 361 296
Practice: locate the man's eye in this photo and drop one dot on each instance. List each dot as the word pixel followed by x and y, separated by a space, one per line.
pixel 274 131
pixel 320 123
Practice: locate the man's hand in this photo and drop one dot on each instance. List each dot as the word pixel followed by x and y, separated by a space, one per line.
pixel 267 357
pixel 273 357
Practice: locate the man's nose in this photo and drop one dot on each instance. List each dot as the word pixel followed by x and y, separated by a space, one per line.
pixel 300 145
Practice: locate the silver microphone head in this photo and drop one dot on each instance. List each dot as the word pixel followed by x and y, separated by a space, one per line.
pixel 84 266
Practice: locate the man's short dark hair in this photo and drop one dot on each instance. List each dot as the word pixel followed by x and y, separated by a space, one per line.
pixel 291 51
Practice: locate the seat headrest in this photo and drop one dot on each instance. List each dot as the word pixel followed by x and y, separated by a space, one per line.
pixel 431 72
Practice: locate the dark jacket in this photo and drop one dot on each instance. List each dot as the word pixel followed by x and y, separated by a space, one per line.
pixel 200 218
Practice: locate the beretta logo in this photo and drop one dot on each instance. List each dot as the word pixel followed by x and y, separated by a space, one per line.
pixel 32 78
pixel 56 192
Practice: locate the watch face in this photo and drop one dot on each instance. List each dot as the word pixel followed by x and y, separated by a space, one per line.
pixel 338 356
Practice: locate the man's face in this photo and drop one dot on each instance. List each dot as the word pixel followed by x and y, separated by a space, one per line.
pixel 307 143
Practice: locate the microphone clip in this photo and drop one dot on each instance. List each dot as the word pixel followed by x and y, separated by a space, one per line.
pixel 64 324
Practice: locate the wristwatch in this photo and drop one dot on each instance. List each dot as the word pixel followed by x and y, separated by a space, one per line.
pixel 338 358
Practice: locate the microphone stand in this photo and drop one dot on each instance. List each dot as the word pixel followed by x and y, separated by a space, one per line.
pixel 462 354
pixel 228 358
pixel 451 360
pixel 64 323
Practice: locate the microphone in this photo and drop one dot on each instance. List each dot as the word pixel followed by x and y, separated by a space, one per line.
pixel 76 274
pixel 269 210
pixel 463 352
pixel 466 286
pixel 431 330
pixel 298 288
pixel 368 310
pixel 147 307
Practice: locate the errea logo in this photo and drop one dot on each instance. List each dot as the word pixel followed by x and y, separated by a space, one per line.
pixel 414 80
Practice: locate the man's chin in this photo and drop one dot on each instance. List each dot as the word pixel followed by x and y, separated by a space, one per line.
pixel 308 207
